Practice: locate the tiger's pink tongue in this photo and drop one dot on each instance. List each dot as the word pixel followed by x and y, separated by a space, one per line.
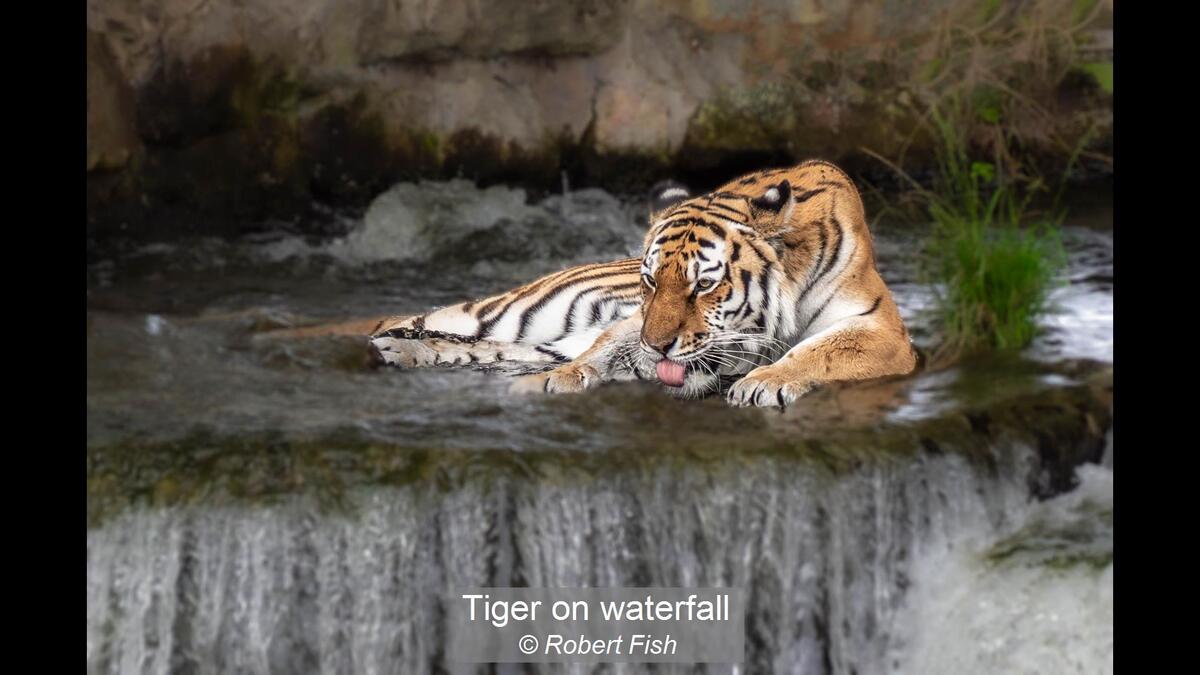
pixel 670 372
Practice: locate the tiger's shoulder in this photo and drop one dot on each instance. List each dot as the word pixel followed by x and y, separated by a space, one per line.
pixel 819 230
pixel 814 182
pixel 821 204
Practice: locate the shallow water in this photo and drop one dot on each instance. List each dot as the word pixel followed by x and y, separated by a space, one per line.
pixel 175 342
pixel 261 505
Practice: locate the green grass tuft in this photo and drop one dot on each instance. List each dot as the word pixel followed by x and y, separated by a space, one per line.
pixel 993 260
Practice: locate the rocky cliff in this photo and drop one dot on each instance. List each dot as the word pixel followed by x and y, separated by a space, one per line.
pixel 204 112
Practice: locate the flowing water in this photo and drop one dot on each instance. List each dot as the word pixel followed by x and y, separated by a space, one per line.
pixel 265 505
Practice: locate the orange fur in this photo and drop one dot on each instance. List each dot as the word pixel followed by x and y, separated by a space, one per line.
pixel 793 246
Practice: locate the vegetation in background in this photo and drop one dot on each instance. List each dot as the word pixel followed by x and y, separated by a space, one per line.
pixel 993 254
pixel 1006 66
pixel 993 258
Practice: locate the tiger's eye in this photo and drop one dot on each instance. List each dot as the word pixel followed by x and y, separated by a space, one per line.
pixel 704 284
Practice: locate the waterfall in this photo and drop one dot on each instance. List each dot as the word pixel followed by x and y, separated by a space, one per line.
pixel 825 555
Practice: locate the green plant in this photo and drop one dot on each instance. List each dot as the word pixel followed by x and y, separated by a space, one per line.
pixel 992 258
pixel 1007 63
pixel 985 89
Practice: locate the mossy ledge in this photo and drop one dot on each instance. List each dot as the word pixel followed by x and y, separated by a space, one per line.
pixel 1066 425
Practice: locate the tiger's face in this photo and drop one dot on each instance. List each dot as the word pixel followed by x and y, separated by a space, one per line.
pixel 712 289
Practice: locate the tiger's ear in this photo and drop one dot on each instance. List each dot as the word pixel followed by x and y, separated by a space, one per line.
pixel 770 211
pixel 773 199
pixel 666 194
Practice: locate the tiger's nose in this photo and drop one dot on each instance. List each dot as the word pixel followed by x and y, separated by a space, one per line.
pixel 660 346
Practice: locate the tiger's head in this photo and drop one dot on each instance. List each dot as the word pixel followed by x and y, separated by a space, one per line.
pixel 713 285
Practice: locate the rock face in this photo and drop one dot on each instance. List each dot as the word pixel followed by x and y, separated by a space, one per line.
pixel 112 139
pixel 333 100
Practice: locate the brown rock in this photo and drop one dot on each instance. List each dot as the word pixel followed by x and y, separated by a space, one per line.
pixel 111 138
pixel 360 93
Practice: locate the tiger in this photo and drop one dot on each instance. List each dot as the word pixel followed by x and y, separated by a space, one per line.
pixel 768 284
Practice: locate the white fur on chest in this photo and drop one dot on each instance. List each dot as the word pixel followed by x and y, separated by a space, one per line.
pixel 825 304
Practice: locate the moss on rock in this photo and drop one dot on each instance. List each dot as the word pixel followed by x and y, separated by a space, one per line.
pixel 1066 425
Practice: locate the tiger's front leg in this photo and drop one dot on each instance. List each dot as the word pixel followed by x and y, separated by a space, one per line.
pixel 611 357
pixel 855 349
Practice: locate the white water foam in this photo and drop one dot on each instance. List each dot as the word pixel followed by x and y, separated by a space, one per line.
pixel 1038 601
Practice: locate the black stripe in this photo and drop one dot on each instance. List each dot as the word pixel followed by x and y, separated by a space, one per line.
pixel 486 326
pixel 874 306
pixel 805 196
pixel 749 308
pixel 841 232
pixel 757 251
pixel 837 289
pixel 728 209
pixel 485 309
pixel 821 162
pixel 538 284
pixel 823 243
pixel 820 310
pixel 595 314
pixel 552 354
pixel 608 291
pixel 763 280
pixel 569 323
pixel 745 294
pixel 617 307
pixel 716 229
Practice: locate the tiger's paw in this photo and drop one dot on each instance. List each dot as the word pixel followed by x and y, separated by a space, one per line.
pixel 569 379
pixel 405 353
pixel 768 387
